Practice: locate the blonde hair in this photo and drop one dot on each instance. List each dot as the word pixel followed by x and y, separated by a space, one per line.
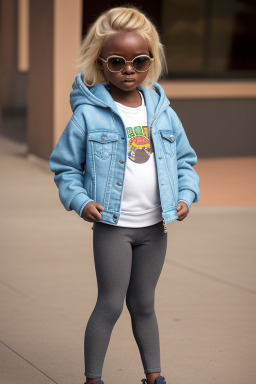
pixel 109 23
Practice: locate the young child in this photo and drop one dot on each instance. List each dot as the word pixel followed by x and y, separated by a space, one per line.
pixel 124 163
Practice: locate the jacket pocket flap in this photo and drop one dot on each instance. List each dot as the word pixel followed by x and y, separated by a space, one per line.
pixel 102 136
pixel 168 135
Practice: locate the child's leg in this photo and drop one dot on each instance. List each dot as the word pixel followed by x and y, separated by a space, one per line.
pixel 147 261
pixel 113 259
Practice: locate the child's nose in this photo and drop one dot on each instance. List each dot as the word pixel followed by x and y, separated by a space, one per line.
pixel 128 68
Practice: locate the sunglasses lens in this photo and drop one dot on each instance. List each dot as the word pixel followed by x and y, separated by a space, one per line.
pixel 116 64
pixel 141 63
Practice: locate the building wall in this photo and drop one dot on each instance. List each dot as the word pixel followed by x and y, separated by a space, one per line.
pixel 36 80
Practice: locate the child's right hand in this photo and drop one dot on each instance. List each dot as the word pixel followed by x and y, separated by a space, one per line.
pixel 91 211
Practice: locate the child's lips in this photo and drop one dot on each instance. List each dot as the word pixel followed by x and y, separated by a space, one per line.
pixel 129 81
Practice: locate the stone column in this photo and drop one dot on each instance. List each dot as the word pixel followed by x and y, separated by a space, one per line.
pixel 55 37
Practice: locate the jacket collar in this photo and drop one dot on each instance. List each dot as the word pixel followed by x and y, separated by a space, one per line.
pixel 98 95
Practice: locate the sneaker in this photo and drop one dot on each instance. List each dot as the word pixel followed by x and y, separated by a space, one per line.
pixel 97 382
pixel 158 380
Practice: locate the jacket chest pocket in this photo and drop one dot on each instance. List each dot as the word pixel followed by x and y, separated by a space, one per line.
pixel 103 143
pixel 168 142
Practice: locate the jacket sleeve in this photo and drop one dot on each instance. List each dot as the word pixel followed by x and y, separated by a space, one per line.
pixel 67 162
pixel 188 179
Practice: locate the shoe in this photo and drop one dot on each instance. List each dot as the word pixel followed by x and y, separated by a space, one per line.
pixel 97 382
pixel 158 380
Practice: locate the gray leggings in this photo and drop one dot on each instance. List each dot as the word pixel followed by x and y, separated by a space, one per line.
pixel 128 263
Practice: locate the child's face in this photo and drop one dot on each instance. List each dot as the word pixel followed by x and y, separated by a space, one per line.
pixel 127 45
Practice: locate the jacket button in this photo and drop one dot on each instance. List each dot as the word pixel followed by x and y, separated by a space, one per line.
pixel 118 183
pixel 103 137
pixel 114 217
pixel 122 138
pixel 171 136
pixel 121 161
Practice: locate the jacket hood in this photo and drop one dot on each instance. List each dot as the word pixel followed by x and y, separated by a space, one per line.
pixel 98 95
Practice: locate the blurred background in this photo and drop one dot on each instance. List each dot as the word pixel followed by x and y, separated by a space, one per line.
pixel 47 277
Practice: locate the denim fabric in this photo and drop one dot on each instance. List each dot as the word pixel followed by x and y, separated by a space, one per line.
pixel 89 160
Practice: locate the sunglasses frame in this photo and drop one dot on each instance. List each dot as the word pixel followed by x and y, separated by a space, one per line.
pixel 126 61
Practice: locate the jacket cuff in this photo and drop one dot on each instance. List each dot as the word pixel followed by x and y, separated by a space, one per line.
pixel 187 196
pixel 79 202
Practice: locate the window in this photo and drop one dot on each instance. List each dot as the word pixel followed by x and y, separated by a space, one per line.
pixel 209 38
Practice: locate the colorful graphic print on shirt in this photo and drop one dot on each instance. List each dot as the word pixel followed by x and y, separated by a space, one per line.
pixel 140 147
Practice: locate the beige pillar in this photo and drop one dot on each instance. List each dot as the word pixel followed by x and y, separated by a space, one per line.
pixel 55 37
pixel 8 53
pixel 23 36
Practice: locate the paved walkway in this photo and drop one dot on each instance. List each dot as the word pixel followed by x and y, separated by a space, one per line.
pixel 205 298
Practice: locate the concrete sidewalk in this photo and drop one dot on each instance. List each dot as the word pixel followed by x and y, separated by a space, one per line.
pixel 205 297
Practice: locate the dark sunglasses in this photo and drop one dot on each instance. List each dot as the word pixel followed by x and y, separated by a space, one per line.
pixel 116 63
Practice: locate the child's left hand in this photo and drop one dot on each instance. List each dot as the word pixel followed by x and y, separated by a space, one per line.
pixel 182 210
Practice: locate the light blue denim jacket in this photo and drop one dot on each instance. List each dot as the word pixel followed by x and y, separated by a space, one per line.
pixel 89 160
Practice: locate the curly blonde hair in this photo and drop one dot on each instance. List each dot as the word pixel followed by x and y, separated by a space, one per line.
pixel 110 22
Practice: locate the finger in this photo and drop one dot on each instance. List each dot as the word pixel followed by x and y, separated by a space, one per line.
pixel 87 219
pixel 97 216
pixel 91 217
pixel 99 207
pixel 182 216
pixel 179 206
pixel 181 212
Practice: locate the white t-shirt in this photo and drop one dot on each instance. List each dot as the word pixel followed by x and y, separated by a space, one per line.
pixel 141 205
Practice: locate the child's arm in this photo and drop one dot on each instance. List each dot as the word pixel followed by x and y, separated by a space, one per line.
pixel 188 179
pixel 67 161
